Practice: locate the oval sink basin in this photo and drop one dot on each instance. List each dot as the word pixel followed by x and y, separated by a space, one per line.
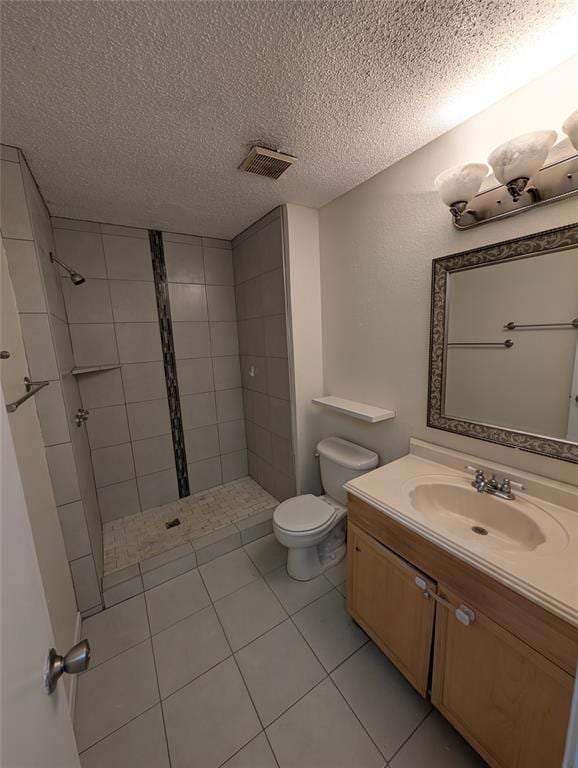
pixel 452 506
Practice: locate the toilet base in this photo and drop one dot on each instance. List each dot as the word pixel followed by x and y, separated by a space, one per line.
pixel 306 563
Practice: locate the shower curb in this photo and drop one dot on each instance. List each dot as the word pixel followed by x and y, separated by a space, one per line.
pixel 137 578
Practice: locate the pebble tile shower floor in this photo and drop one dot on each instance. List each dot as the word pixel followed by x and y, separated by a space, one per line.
pixel 234 664
pixel 138 537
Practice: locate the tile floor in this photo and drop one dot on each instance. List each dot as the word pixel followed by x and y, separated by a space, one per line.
pixel 236 665
pixel 144 535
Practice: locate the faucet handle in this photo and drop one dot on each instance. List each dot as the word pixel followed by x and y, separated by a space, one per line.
pixel 480 475
pixel 505 487
pixel 493 483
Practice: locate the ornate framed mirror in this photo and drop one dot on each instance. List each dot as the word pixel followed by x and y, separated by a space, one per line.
pixel 504 343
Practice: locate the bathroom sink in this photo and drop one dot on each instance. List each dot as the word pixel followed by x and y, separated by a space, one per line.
pixel 454 508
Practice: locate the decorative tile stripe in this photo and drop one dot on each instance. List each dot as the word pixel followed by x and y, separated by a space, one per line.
pixel 168 347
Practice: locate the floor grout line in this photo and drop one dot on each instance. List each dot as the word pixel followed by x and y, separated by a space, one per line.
pixel 158 686
pixel 327 675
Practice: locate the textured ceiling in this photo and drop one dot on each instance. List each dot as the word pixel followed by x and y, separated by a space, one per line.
pixel 140 112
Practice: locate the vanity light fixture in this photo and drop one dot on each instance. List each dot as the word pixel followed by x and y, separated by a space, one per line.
pixel 458 185
pixel 517 160
pixel 523 179
pixel 570 128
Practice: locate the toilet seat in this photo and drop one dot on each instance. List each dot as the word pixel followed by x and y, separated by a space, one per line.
pixel 304 514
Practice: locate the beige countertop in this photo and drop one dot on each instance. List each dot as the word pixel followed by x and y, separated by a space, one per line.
pixel 547 574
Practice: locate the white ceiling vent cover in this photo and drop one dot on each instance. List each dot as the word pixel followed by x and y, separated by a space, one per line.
pixel 266 162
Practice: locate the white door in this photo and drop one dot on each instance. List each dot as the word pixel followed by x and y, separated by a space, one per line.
pixel 36 728
pixel 573 410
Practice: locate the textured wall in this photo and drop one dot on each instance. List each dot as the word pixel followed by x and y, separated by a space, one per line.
pixel 261 309
pixel 377 244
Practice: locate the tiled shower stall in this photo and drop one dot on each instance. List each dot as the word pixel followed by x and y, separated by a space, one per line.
pixel 223 346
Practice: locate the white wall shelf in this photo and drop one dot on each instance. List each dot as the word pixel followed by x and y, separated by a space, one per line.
pixel 92 369
pixel 359 411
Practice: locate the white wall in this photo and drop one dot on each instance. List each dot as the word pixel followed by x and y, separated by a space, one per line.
pixel 305 338
pixel 377 243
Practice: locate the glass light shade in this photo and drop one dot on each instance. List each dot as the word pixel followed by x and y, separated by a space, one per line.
pixel 522 157
pixel 460 183
pixel 570 128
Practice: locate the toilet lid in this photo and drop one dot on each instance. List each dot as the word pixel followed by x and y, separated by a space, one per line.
pixel 303 513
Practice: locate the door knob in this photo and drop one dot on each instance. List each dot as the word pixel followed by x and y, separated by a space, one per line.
pixel 76 660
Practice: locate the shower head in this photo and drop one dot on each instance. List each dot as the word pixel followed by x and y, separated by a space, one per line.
pixel 76 277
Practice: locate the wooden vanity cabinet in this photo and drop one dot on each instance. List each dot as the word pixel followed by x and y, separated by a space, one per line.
pixel 504 680
pixel 510 702
pixel 387 605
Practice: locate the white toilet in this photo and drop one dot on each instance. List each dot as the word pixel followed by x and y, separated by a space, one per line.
pixel 313 527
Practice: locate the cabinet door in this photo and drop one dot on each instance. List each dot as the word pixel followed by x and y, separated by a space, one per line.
pixel 383 598
pixel 510 702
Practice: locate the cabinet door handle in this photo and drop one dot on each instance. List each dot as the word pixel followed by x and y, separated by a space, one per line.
pixel 463 614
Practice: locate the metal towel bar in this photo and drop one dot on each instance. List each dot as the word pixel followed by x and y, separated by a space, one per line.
pixel 512 326
pixel 32 387
pixel 508 343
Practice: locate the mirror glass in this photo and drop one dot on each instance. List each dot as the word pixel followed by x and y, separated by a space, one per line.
pixel 516 377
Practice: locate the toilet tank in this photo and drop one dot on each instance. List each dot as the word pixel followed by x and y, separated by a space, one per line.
pixel 341 461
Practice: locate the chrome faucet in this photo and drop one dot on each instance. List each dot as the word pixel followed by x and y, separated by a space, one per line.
pixel 503 490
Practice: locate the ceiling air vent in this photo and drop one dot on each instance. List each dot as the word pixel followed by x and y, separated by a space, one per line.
pixel 266 162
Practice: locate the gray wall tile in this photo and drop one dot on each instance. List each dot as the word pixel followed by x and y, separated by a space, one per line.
pixel 232 436
pixel 204 474
pixel 118 500
pixel 224 339
pixel 93 344
pixel 101 388
pixel 157 489
pixel 112 464
pixel 184 262
pixel 39 347
pixel 278 377
pixel 85 583
pixel 127 258
pixel 148 419
pixel 195 375
pixel 87 303
pixel 234 465
pixel 188 302
pixel 218 266
pixel 191 340
pixel 275 336
pixel 144 381
pixel 62 469
pixel 138 342
pixel 107 426
pixel 133 301
pixel 221 303
pixel 14 211
pixel 229 404
pixel 74 530
pixel 202 443
pixel 82 251
pixel 273 292
pixel 227 372
pixel 198 410
pixel 153 454
pixel 52 414
pixel 25 275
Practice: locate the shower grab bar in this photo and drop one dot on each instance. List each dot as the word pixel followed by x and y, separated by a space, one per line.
pixel 511 326
pixel 508 343
pixel 32 387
